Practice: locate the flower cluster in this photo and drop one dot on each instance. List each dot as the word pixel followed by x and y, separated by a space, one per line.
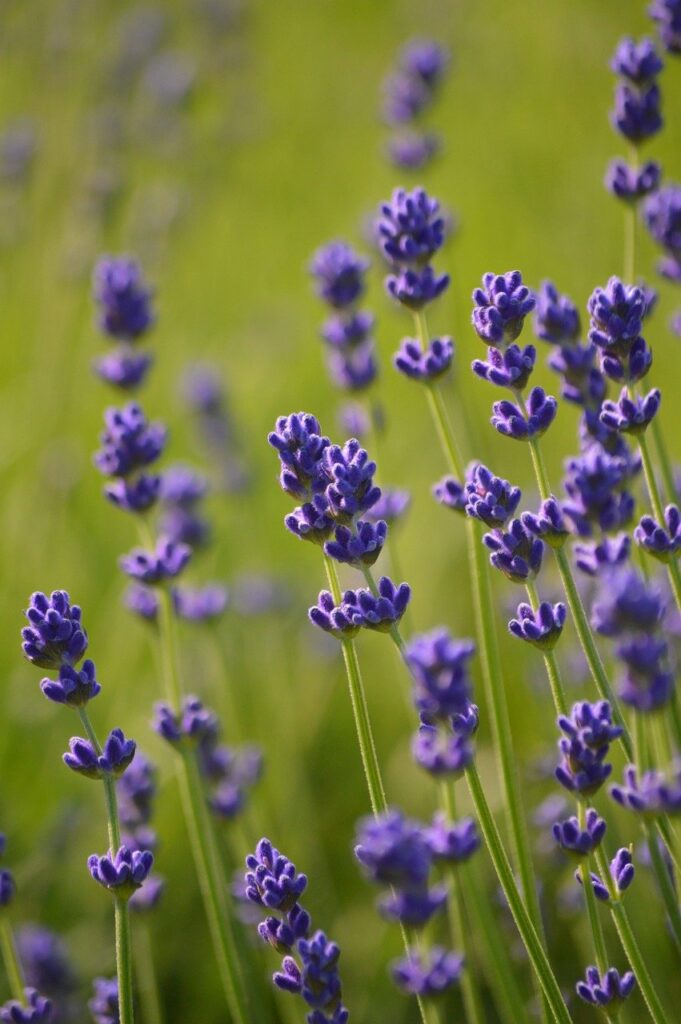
pixel 667 15
pixel 636 114
pixel 662 215
pixel 310 965
pixel 136 792
pixel 125 316
pixel 339 275
pixel 588 733
pixel 411 231
pixel 408 93
pixel 617 313
pixel 129 446
pixel 182 492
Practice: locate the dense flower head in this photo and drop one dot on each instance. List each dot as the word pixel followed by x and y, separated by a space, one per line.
pixel 129 441
pixel 439 665
pixel 523 424
pixel 200 604
pixel 46 963
pixel 489 498
pixel 33 1010
pixel 283 934
pixel 428 974
pixel 662 215
pixel 405 97
pixel 636 114
pixel 579 841
pixel 594 484
pixel 548 523
pixel 104 1005
pixel 617 313
pixel 632 183
pixel 451 493
pixel 339 274
pixel 608 989
pixel 588 733
pixel 354 369
pixel 631 415
pixel 621 870
pixel 662 541
pixel 359 546
pixel 501 306
pixel 122 368
pixel 412 150
pixel 667 14
pixel 122 872
pixel 312 520
pixel 626 602
pixel 649 792
pixel 413 908
pixel 346 330
pixel 116 755
pixel 142 600
pixel 73 686
pixel 582 383
pixel 123 298
pixel 136 495
pixel 510 368
pixel 54 636
pixel 350 473
pixel 410 228
pixel 136 791
pixel 452 842
pixel 426 59
pixel 515 552
pixel 195 723
pixel 638 62
pixel 361 609
pixel 165 562
pixel 391 506
pixel 556 318
pixel 595 557
pixel 393 850
pixel 441 752
pixel 424 365
pixel 7 887
pixel 300 445
pixel 318 982
pixel 541 628
pixel 272 880
pixel 416 288
pixel 631 365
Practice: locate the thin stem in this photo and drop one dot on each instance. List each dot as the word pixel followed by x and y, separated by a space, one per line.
pixel 169 653
pixel 550 660
pixel 666 468
pixel 667 888
pixel 633 953
pixel 147 981
pixel 658 509
pixel 109 783
pixel 592 910
pixel 535 950
pixel 15 974
pixel 124 961
pixel 457 919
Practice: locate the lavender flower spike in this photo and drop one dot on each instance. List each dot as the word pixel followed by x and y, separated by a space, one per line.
pixel 155 567
pixel 73 687
pixel 584 747
pixel 548 524
pixel 104 1005
pixel 667 14
pixel 489 498
pixel 511 368
pixel 650 793
pixel 501 306
pixel 350 475
pixel 300 445
pixel 452 842
pixel 339 273
pixel 428 975
pixel 607 990
pixel 410 228
pixel 425 366
pixel 34 1010
pixel 631 184
pixel 440 671
pixel 123 872
pixel 359 547
pixel 117 753
pixel 542 628
pixel 631 415
pixel 123 298
pixel 272 880
pixel 441 753
pixel 575 840
pixel 416 288
pixel 515 552
pixel 661 541
pixel 343 621
pixel 621 876
pixel 521 425
pixel 54 636
pixel 638 62
pixel 556 318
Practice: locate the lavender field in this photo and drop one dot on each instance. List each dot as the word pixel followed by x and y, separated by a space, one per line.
pixel 340 529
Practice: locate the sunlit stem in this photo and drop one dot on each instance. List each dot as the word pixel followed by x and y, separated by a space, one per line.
pixel 15 974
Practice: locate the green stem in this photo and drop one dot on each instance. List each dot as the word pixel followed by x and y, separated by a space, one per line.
pixel 15 974
pixel 124 961
pixel 147 982
pixel 457 919
pixel 633 953
pixel 592 910
pixel 665 462
pixel 109 784
pixel 550 660
pixel 533 945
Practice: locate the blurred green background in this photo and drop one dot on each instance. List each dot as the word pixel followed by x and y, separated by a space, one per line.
pixel 277 148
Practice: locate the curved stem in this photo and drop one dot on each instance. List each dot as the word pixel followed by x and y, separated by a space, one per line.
pixel 147 982
pixel 550 661
pixel 10 956
pixel 535 950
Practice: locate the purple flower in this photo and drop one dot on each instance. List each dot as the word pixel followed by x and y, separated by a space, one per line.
pixel 617 313
pixel 74 687
pixel 136 495
pixel 195 723
pixel 631 365
pixel 123 298
pixel 282 935
pixel 346 330
pixel 104 1005
pixel 200 604
pixel 416 288
pixel 661 541
pixel 625 603
pixel 580 841
pixel 350 474
pixel 116 755
pixel 122 872
pixel 556 318
pixel 410 228
pixel 183 485
pixel 428 975
pixel 54 636
pixel 593 558
pixel 440 673
pixel 298 441
pixel 7 887
pixel 521 425
pixel 149 896
pixel 392 850
pixel 354 369
pixel 411 151
pixel 272 880
pixel 638 62
pixel 631 415
pixel 662 215
pixel 511 368
pixel 46 965
pixel 129 442
pixel 425 59
pixel 339 274
pixel 136 793
pixel 621 874
pixel 489 498
pixel 548 524
pixel 123 368
pixel 594 482
pixel 632 183
pixel 584 747
pixel 501 306
pixel 391 506
pixel 667 14
pixel 319 982
pixel 343 620
pixel 450 493
pixel 361 608
pixel 637 112
pixel 425 366
pixel 650 792
pixel 452 842
pixel 35 1008
pixel 406 96
pixel 542 628
pixel 166 562
pixel 515 552
pixel 413 908
pixel 440 752
pixel 141 600
pixel 607 989
pixel 311 521
pixel 358 547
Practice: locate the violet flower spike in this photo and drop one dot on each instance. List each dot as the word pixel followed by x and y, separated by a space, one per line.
pixel 34 1010
pixel 515 552
pixel 607 990
pixel 501 306
pixel 577 841
pixel 424 366
pixel 428 975
pixel 510 368
pixel 661 541
pixel 523 424
pixel 117 753
pixel 541 628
